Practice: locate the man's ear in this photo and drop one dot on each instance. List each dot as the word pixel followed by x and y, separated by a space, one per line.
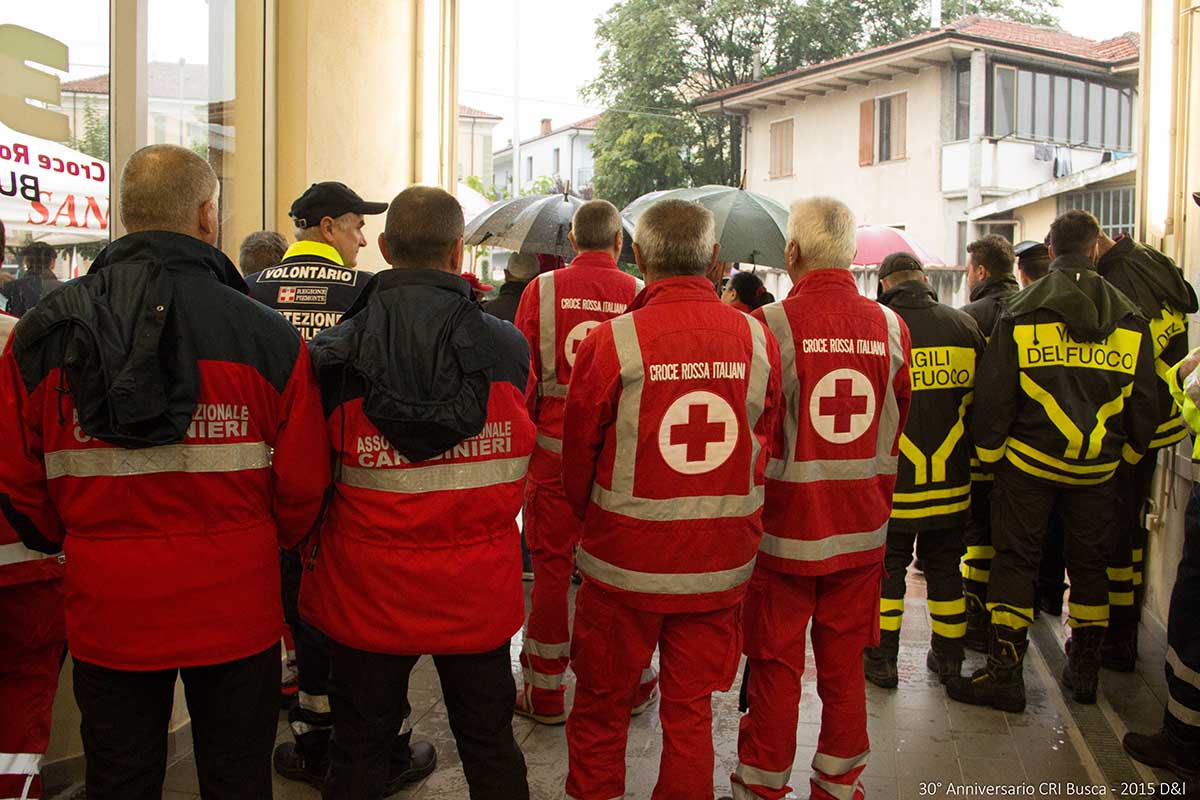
pixel 383 249
pixel 716 256
pixel 208 223
pixel 618 242
pixel 456 255
pixel 571 239
pixel 791 254
pixel 637 257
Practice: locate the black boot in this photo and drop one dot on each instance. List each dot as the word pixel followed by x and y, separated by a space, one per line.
pixel 978 623
pixel 411 762
pixel 945 658
pixel 1000 684
pixel 1081 674
pixel 1164 750
pixel 1119 651
pixel 879 663
pixel 307 758
pixel 294 765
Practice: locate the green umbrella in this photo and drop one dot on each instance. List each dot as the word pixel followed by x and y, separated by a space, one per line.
pixel 751 228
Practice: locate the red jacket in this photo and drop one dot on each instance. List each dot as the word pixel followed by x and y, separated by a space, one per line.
pixel 670 414
pixel 18 564
pixel 423 557
pixel 557 310
pixel 846 391
pixel 173 551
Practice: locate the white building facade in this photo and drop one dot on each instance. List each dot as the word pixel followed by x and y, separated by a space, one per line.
pixel 981 126
pixel 562 155
pixel 475 144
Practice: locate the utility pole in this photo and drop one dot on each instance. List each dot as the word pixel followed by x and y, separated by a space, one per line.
pixel 516 113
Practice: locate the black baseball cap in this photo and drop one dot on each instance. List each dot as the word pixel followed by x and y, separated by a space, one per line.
pixel 899 262
pixel 330 199
pixel 1031 249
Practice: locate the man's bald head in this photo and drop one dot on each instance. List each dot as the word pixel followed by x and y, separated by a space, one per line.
pixel 675 237
pixel 424 228
pixel 596 226
pixel 165 187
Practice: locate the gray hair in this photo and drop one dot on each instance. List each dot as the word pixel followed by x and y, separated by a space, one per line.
pixel 163 186
pixel 824 229
pixel 596 224
pixel 522 266
pixel 260 250
pixel 423 223
pixel 313 233
pixel 676 237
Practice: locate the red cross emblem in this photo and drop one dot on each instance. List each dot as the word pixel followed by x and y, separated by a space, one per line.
pixel 577 335
pixel 698 433
pixel 287 294
pixel 842 406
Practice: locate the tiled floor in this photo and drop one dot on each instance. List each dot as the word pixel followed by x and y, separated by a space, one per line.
pixel 922 744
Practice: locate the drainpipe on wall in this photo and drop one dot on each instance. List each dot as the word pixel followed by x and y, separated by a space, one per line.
pixel 571 137
pixel 745 143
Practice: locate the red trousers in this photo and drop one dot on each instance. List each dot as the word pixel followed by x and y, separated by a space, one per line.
pixel 844 609
pixel 698 655
pixel 551 531
pixel 32 640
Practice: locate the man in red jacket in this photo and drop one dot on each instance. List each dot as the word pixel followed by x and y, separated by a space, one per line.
pixel 32 637
pixel 829 496
pixel 425 405
pixel 672 407
pixel 557 311
pixel 163 429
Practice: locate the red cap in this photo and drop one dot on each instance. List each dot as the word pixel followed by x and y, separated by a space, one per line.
pixel 476 284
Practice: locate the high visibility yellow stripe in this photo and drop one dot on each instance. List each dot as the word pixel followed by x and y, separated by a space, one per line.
pixel 914 455
pixel 975 551
pixel 1168 439
pixel 982 477
pixel 933 494
pixel 1078 623
pixel 930 511
pixel 1087 612
pixel 1046 458
pixel 890 623
pixel 944 450
pixel 1120 573
pixel 1120 598
pixel 1114 406
pixel 955 630
pixel 1010 620
pixel 947 608
pixel 1052 476
pixel 1130 455
pixel 990 455
pixel 891 604
pixel 1138 554
pixel 1137 579
pixel 976 574
pixel 1054 411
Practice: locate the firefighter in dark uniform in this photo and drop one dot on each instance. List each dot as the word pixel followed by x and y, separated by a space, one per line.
pixel 312 287
pixel 991 281
pixel 317 279
pixel 1153 282
pixel 932 497
pixel 1066 391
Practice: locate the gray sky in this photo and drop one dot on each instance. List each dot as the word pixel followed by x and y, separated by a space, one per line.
pixel 558 53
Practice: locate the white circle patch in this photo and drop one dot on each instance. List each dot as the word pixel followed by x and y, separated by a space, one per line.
pixel 577 335
pixel 698 433
pixel 842 405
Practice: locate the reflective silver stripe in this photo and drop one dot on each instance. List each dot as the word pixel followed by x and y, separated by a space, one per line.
pixel 629 407
pixel 741 792
pixel 889 410
pixel 756 387
pixel 541 680
pixel 835 765
pixel 1179 711
pixel 436 477
pixel 17 553
pixel 547 300
pixel 662 583
pixel 316 703
pixel 754 776
pixel 547 442
pixel 118 462
pixel 532 647
pixel 1182 671
pixel 648 674
pixel 406 726
pixel 678 508
pixel 777 321
pixel 854 469
pixel 839 790
pixel 820 549
pixel 20 763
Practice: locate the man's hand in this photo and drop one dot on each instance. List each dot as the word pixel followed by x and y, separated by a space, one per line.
pixel 718 272
pixel 1106 243
pixel 1188 377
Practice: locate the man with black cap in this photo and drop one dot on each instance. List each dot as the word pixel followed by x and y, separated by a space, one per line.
pixel 317 279
pixel 1033 261
pixel 991 281
pixel 933 483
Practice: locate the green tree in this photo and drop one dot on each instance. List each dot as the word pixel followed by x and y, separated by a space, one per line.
pixel 94 141
pixel 658 56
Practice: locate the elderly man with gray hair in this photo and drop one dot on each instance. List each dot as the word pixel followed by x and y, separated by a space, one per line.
pixel 829 495
pixel 672 409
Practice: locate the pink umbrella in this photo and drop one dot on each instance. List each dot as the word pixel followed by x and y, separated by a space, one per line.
pixel 877 242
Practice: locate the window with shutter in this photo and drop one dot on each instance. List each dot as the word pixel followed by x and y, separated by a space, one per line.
pixel 781 149
pixel 866 133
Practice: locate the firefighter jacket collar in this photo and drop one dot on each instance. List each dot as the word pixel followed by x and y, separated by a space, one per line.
pixel 910 294
pixel 126 358
pixel 1150 278
pixel 321 250
pixel 422 405
pixel 1002 286
pixel 1090 307
pixel 593 259
pixel 824 280
pixel 682 289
